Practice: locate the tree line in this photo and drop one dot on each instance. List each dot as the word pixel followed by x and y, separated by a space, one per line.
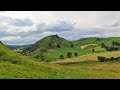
pixel 115 46
pixel 69 55
pixel 105 59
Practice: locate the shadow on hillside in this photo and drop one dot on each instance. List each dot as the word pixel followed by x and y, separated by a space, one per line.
pixel 81 62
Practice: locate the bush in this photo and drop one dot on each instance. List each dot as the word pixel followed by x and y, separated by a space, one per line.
pixel 104 59
pixel 102 45
pixel 72 46
pixel 93 50
pixel 112 59
pixel 61 57
pixel 69 54
pixel 76 54
pixel 58 46
pixel 98 39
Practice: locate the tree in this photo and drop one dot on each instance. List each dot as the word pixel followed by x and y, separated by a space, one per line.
pixel 113 43
pixel 98 39
pixel 93 50
pixel 101 59
pixel 76 54
pixel 102 45
pixel 58 46
pixel 71 45
pixel 61 57
pixel 69 54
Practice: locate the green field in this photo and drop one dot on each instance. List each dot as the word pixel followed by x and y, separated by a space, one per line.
pixel 82 47
pixel 88 67
pixel 85 66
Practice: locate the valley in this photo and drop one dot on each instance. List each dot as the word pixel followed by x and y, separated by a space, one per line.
pixel 83 66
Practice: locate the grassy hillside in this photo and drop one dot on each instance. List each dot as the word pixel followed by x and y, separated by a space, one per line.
pixel 47 47
pixel 15 66
pixel 53 40
pixel 95 40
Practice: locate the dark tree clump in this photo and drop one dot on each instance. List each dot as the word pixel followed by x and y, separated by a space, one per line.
pixel 72 46
pixel 93 50
pixel 102 45
pixel 61 57
pixel 69 54
pixel 58 46
pixel 76 54
pixel 101 59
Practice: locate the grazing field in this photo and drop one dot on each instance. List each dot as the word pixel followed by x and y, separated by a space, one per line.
pixel 87 66
pixel 84 66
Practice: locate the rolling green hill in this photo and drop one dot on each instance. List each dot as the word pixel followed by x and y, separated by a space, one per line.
pixel 49 42
pixel 47 48
pixel 14 65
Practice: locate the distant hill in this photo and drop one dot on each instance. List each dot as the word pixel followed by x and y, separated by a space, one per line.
pixel 14 47
pixel 50 42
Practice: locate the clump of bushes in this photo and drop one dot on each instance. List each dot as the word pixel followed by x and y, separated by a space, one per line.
pixel 115 46
pixel 69 54
pixel 93 50
pixel 104 59
pixel 75 54
pixel 61 57
pixel 72 45
pixel 58 46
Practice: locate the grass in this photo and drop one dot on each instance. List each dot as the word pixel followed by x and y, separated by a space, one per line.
pixel 88 57
pixel 16 66
pixel 88 67
pixel 82 47
pixel 85 66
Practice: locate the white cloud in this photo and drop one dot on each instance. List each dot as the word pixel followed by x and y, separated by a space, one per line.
pixel 10 38
pixel 23 27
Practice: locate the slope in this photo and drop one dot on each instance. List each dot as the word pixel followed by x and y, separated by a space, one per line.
pixel 87 66
pixel 47 48
pixel 14 65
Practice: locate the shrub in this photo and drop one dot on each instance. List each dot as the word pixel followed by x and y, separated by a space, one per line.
pixel 72 46
pixel 98 39
pixel 102 45
pixel 69 54
pixel 93 50
pixel 102 59
pixel 76 54
pixel 61 57
pixel 112 59
pixel 58 46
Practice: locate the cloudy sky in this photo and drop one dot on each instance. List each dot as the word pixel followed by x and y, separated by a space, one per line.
pixel 26 27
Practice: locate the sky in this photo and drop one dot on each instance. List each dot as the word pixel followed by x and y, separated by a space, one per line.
pixel 27 27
